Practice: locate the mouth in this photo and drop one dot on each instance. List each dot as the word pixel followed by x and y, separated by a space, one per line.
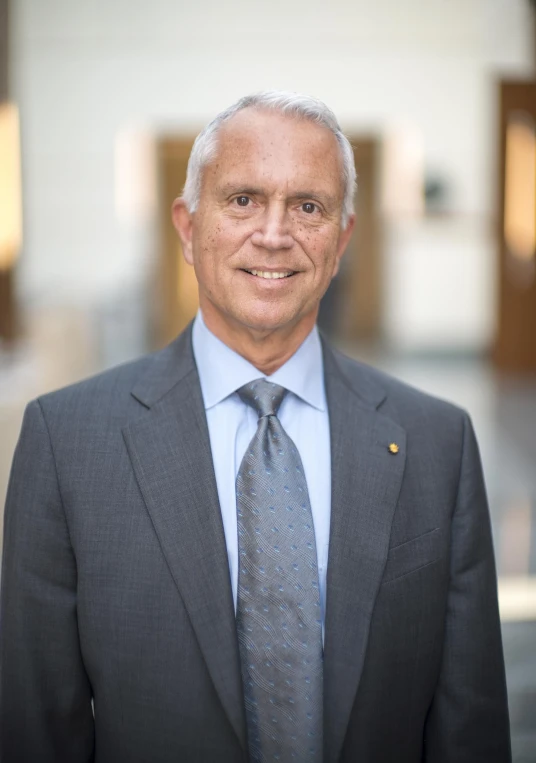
pixel 270 274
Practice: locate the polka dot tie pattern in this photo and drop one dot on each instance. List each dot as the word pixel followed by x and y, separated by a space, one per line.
pixel 278 609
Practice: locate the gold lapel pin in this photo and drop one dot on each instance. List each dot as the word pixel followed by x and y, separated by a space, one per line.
pixel 393 448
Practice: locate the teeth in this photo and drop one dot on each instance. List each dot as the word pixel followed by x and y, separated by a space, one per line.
pixel 268 274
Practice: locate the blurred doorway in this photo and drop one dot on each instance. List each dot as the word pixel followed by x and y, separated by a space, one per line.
pixel 515 346
pixel 351 309
pixel 175 284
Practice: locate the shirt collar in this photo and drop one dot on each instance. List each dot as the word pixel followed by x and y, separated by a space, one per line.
pixel 222 371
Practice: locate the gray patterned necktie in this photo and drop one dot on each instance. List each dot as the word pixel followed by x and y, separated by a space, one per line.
pixel 278 609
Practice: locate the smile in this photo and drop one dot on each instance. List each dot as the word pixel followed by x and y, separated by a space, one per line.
pixel 270 273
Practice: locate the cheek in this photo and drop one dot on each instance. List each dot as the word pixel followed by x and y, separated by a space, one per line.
pixel 320 245
pixel 323 254
pixel 214 252
pixel 220 239
pixel 208 246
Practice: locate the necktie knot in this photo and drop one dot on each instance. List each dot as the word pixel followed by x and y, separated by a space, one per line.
pixel 263 396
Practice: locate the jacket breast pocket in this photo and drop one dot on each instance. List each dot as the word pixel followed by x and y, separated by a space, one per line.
pixel 412 555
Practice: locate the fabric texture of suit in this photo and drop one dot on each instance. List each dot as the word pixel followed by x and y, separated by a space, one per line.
pixel 115 581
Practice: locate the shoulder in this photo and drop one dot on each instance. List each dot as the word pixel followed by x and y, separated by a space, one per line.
pixel 86 412
pixel 106 389
pixel 115 395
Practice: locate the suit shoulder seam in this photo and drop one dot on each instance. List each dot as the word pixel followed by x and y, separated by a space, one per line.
pixel 54 461
pixel 462 456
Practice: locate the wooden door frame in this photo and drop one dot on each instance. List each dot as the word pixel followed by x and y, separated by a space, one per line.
pixel 515 341
pixel 8 307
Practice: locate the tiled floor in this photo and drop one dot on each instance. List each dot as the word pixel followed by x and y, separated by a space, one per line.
pixel 63 346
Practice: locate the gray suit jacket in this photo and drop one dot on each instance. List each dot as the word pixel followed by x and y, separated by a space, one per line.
pixel 116 588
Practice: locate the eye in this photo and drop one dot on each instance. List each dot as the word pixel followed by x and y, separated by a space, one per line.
pixel 242 201
pixel 309 207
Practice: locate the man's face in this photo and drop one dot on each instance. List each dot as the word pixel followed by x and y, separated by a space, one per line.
pixel 266 238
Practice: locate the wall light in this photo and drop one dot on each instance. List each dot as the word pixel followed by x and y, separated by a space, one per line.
pixel 135 177
pixel 403 172
pixel 520 187
pixel 10 187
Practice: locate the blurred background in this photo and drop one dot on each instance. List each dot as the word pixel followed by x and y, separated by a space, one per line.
pixel 99 105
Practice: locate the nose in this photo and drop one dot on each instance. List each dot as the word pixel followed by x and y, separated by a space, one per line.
pixel 273 234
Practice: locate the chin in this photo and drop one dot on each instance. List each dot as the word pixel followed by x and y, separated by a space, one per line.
pixel 266 319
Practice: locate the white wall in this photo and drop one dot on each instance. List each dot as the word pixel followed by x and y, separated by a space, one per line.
pixel 440 290
pixel 83 71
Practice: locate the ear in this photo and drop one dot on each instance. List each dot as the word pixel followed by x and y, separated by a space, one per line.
pixel 183 224
pixel 344 238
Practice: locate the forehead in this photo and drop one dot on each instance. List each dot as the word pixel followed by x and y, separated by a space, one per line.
pixel 276 149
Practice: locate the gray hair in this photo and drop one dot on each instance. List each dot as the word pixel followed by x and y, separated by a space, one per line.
pixel 291 104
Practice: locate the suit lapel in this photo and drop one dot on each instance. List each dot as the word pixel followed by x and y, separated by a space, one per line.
pixel 366 480
pixel 169 448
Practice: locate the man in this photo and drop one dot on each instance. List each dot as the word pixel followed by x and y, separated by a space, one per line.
pixel 167 522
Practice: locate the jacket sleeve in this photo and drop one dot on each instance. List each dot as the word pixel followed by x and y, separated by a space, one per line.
pixel 45 695
pixel 468 719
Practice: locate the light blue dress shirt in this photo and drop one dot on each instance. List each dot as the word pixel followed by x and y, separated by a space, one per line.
pixel 232 424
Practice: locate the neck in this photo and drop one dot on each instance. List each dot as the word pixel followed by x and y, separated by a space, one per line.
pixel 267 350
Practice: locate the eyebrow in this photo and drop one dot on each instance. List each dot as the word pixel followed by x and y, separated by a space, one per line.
pixel 231 188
